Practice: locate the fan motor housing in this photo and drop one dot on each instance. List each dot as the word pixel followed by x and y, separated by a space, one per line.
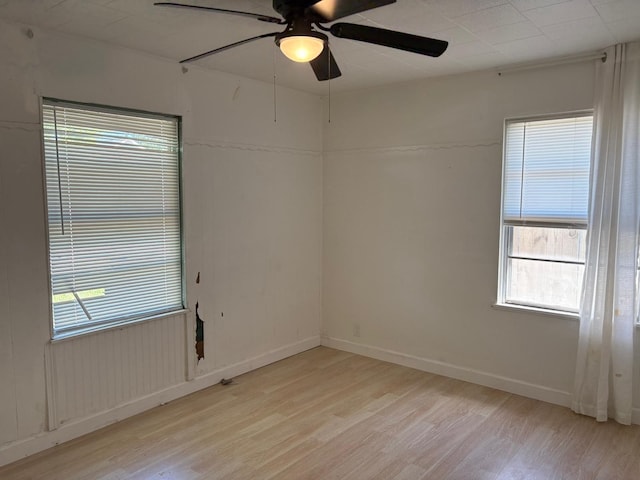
pixel 290 9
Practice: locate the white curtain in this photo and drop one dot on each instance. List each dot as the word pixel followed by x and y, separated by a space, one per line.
pixel 604 368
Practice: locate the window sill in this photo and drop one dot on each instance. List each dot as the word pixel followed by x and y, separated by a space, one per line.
pixel 542 311
pixel 64 336
pixel 537 311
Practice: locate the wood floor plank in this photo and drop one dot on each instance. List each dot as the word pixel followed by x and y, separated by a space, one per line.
pixel 327 414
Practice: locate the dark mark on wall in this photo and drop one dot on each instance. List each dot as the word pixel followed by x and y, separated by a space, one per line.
pixel 199 335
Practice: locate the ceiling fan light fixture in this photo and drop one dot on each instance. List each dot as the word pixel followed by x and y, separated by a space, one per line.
pixel 303 41
pixel 301 47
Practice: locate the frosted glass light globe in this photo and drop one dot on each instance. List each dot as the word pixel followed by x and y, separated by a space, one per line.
pixel 300 48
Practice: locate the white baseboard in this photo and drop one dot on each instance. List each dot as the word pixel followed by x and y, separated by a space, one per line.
pixel 23 448
pixel 511 385
pixel 530 390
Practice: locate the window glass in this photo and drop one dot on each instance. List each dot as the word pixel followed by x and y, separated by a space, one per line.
pixel 545 267
pixel 561 244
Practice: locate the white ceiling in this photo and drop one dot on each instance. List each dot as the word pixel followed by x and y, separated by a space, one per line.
pixel 482 34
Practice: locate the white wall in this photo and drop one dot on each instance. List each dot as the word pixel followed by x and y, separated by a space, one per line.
pixel 252 203
pixel 412 183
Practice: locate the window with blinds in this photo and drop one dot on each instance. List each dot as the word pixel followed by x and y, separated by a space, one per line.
pixel 545 200
pixel 113 201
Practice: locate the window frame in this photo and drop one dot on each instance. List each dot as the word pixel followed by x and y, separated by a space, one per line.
pixel 132 320
pixel 506 229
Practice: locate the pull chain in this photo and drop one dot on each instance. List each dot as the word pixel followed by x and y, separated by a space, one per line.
pixel 329 61
pixel 275 111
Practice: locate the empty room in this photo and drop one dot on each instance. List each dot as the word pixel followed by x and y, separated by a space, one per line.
pixel 319 239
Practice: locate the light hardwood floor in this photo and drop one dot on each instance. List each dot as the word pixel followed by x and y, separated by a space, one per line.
pixel 326 414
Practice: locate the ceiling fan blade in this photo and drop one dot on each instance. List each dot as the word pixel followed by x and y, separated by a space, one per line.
pixel 325 66
pixel 257 16
pixel 390 38
pixel 330 10
pixel 227 47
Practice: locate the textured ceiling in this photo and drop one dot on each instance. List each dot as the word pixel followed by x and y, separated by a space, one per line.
pixel 482 34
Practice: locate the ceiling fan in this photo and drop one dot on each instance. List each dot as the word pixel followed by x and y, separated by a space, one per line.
pixel 301 42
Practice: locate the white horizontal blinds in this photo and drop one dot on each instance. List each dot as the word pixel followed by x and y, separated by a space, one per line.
pixel 114 214
pixel 546 171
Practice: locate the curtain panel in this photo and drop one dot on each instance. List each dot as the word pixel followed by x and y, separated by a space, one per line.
pixel 609 308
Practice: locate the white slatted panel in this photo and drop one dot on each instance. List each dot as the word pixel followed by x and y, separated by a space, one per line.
pixel 546 170
pixel 100 371
pixel 113 201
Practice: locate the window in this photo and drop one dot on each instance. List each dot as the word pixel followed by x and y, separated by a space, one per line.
pixel 545 197
pixel 113 203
